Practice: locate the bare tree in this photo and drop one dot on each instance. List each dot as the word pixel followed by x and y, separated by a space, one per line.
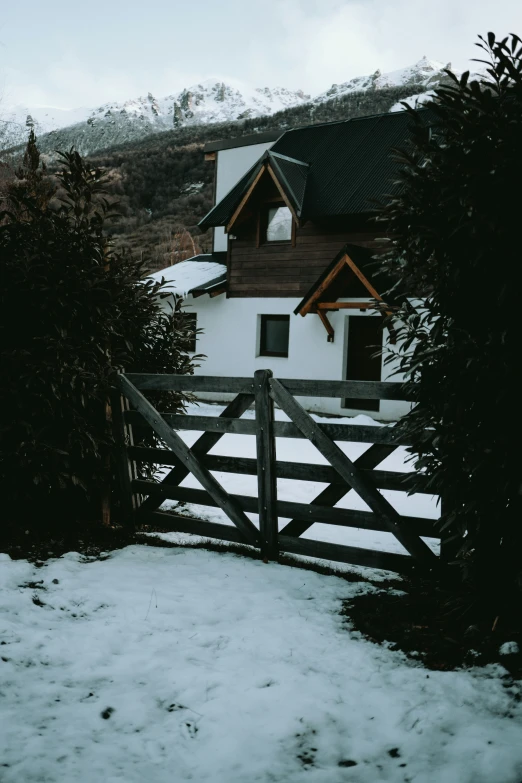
pixel 178 245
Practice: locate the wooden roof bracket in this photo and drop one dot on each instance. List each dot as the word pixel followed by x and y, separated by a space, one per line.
pixel 355 269
pixel 327 325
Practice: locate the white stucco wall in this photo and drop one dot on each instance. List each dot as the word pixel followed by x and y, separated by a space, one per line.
pixel 231 343
pixel 231 165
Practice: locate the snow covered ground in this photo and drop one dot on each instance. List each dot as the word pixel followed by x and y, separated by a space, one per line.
pixel 169 665
pixel 294 450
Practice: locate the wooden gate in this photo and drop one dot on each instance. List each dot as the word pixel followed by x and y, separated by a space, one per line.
pixel 342 475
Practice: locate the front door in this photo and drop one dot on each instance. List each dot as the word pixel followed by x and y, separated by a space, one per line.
pixel 364 340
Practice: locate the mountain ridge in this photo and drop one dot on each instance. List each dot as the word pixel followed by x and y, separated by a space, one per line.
pixel 209 102
pixel 160 180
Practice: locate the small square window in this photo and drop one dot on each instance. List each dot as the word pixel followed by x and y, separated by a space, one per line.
pixel 279 224
pixel 275 331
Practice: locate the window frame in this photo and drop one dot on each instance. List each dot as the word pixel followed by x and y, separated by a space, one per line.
pixel 262 224
pixel 262 335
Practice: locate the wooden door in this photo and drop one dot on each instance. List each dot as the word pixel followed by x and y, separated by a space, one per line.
pixel 364 340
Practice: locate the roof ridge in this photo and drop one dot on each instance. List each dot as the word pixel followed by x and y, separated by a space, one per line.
pixel 285 184
pixel 269 153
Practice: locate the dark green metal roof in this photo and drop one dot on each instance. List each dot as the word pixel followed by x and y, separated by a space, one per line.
pixel 340 168
pixel 292 175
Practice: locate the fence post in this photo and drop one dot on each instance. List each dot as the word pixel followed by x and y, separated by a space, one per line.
pixel 126 469
pixel 266 459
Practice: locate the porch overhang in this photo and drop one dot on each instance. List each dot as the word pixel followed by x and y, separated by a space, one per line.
pixel 336 283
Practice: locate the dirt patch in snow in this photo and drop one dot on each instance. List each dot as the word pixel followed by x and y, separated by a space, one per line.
pixel 435 627
pixel 91 542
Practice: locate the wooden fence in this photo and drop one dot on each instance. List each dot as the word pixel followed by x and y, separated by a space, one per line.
pixel 143 498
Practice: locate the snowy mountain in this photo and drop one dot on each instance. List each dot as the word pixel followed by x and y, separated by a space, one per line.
pixel 217 102
pixel 202 103
pixel 112 123
pixel 425 75
pixel 206 103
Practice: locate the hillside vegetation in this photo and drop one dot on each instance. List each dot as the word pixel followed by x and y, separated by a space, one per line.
pixel 164 186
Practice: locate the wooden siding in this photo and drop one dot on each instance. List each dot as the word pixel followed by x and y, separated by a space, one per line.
pixel 278 270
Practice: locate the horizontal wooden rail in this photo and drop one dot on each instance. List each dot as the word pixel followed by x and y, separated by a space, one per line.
pixel 302 471
pixel 282 429
pixel 288 509
pixel 370 390
pixel 336 478
pixel 193 383
pixel 371 558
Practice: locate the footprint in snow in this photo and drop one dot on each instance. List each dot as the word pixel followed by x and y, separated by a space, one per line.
pixel 305 749
pixel 189 729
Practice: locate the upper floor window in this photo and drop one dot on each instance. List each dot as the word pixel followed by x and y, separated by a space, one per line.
pixel 279 224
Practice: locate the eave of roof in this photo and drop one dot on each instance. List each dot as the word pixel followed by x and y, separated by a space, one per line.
pixel 192 274
pixel 208 288
pixel 221 212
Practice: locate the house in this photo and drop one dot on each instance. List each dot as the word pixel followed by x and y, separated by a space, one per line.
pixel 291 279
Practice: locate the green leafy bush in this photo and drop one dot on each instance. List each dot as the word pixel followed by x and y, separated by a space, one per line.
pixel 72 310
pixel 456 248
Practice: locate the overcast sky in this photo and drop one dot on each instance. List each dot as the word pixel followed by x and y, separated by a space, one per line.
pixel 70 54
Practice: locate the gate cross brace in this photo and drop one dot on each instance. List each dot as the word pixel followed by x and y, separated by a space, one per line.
pixel 200 448
pixel 351 474
pixel 181 450
pixel 333 493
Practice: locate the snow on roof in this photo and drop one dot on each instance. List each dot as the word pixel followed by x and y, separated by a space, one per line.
pixel 185 276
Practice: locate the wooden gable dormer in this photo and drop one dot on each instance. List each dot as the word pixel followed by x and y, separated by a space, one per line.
pixel 270 184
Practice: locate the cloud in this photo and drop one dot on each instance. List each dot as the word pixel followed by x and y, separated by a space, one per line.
pixel 321 44
pixel 306 44
pixel 67 85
